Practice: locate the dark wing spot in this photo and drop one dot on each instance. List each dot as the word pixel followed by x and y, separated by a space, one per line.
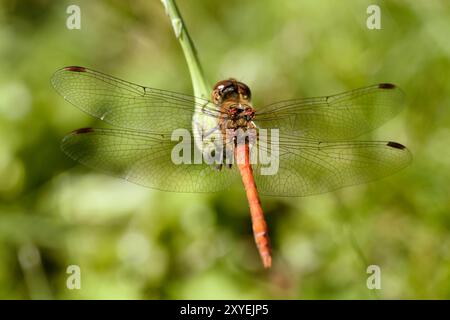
pixel 83 130
pixel 395 145
pixel 386 86
pixel 75 69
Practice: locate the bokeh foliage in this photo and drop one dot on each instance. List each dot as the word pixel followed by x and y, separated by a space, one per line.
pixel 132 242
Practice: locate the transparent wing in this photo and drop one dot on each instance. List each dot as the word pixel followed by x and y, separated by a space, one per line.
pixel 337 117
pixel 145 159
pixel 309 167
pixel 128 105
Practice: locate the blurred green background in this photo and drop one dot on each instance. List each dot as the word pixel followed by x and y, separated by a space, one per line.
pixel 133 242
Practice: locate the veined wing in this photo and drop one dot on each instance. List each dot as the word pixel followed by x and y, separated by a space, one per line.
pixel 128 105
pixel 145 159
pixel 337 117
pixel 309 167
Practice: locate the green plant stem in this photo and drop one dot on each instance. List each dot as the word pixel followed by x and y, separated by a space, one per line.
pixel 199 83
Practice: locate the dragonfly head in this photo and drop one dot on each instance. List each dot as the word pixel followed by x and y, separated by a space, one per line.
pixel 231 90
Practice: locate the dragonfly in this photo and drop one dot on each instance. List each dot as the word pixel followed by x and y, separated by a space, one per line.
pixel 315 148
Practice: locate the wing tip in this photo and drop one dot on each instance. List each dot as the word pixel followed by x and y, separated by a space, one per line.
pixel 75 133
pixel 55 77
pixel 387 86
pixel 68 141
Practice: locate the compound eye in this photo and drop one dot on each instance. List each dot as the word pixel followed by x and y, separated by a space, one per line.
pixel 244 90
pixel 221 86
